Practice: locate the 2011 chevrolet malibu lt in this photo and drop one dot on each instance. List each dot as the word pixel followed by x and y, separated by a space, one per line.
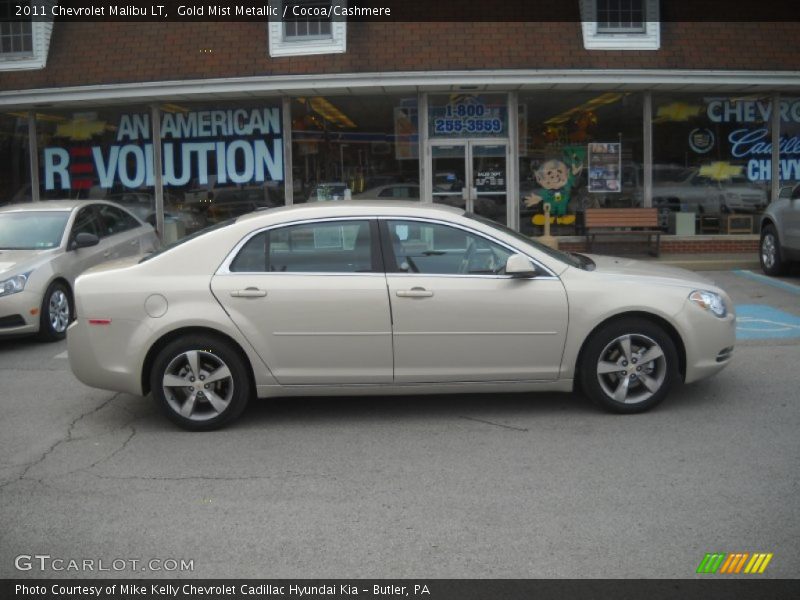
pixel 388 298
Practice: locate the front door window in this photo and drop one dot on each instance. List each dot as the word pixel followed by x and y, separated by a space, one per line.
pixel 434 249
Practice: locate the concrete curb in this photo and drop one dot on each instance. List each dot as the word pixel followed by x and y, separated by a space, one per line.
pixel 746 262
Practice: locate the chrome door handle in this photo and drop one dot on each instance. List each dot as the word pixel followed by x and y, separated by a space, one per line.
pixel 250 292
pixel 416 292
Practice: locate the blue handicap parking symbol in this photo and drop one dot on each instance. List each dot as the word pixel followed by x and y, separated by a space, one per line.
pixel 760 322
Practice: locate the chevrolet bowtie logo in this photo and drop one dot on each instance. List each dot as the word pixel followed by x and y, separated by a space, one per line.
pixel 677 111
pixel 720 170
pixel 735 563
pixel 80 129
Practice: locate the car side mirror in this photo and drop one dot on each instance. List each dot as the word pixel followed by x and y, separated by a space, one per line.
pixel 84 240
pixel 519 266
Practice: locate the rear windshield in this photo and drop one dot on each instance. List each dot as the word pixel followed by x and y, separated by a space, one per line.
pixel 188 238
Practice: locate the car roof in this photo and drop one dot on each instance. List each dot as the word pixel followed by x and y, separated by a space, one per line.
pixel 355 208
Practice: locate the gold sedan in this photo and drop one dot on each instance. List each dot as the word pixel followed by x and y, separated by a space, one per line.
pixel 388 298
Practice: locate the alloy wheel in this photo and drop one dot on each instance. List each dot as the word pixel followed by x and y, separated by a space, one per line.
pixel 631 368
pixel 768 250
pixel 198 385
pixel 58 311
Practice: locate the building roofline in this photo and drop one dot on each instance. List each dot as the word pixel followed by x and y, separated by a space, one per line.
pixel 405 82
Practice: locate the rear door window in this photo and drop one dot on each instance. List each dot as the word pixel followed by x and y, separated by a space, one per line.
pixel 323 247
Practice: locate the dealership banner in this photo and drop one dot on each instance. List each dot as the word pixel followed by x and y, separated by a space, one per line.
pixel 237 146
pixel 384 589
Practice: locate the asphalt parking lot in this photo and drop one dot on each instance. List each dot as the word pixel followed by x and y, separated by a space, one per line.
pixel 490 486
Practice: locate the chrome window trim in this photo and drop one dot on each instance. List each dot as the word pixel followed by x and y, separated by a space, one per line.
pixel 224 268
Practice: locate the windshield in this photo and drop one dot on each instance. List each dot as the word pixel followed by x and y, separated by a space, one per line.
pixel 32 230
pixel 569 259
pixel 188 238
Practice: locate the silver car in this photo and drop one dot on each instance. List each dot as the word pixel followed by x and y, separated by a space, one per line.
pixel 387 297
pixel 780 232
pixel 43 248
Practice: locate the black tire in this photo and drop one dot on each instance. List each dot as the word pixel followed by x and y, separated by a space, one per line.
pixel 648 382
pixel 769 252
pixel 56 312
pixel 200 406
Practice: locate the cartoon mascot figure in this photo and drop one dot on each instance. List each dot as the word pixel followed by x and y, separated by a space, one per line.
pixel 557 179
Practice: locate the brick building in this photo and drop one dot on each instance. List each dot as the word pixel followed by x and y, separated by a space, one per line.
pixel 617 107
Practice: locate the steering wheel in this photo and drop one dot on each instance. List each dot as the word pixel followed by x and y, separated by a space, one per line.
pixel 412 266
pixel 467 258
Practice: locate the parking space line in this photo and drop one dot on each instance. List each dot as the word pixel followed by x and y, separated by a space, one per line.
pixel 62 355
pixel 787 287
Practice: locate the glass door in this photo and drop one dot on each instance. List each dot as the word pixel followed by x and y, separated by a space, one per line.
pixel 489 176
pixel 449 173
pixel 473 175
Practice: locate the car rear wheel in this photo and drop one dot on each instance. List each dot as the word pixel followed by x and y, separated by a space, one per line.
pixel 629 366
pixel 200 381
pixel 770 252
pixel 56 313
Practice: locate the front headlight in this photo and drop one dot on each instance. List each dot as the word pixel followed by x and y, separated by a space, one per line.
pixel 709 301
pixel 12 285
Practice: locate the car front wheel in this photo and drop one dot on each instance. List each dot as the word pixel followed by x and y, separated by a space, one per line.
pixel 200 381
pixel 770 252
pixel 629 366
pixel 56 313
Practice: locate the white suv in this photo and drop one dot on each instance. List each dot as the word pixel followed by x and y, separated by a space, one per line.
pixel 780 231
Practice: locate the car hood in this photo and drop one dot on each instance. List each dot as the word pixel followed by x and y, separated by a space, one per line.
pixel 658 274
pixel 20 261
pixel 112 265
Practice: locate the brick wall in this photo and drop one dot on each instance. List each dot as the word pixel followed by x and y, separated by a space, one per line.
pixel 721 244
pixel 102 53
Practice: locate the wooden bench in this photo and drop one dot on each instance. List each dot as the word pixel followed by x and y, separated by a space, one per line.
pixel 622 222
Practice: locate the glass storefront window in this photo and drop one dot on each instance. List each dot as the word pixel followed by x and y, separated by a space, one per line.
pixel 220 161
pixel 712 160
pixel 217 162
pixel 97 153
pixel 790 141
pixel 578 150
pixel 15 173
pixel 355 147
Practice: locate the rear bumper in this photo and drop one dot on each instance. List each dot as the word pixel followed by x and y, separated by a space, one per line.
pixel 98 362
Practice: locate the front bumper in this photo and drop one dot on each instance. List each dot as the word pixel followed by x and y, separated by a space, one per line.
pixel 708 340
pixel 15 313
